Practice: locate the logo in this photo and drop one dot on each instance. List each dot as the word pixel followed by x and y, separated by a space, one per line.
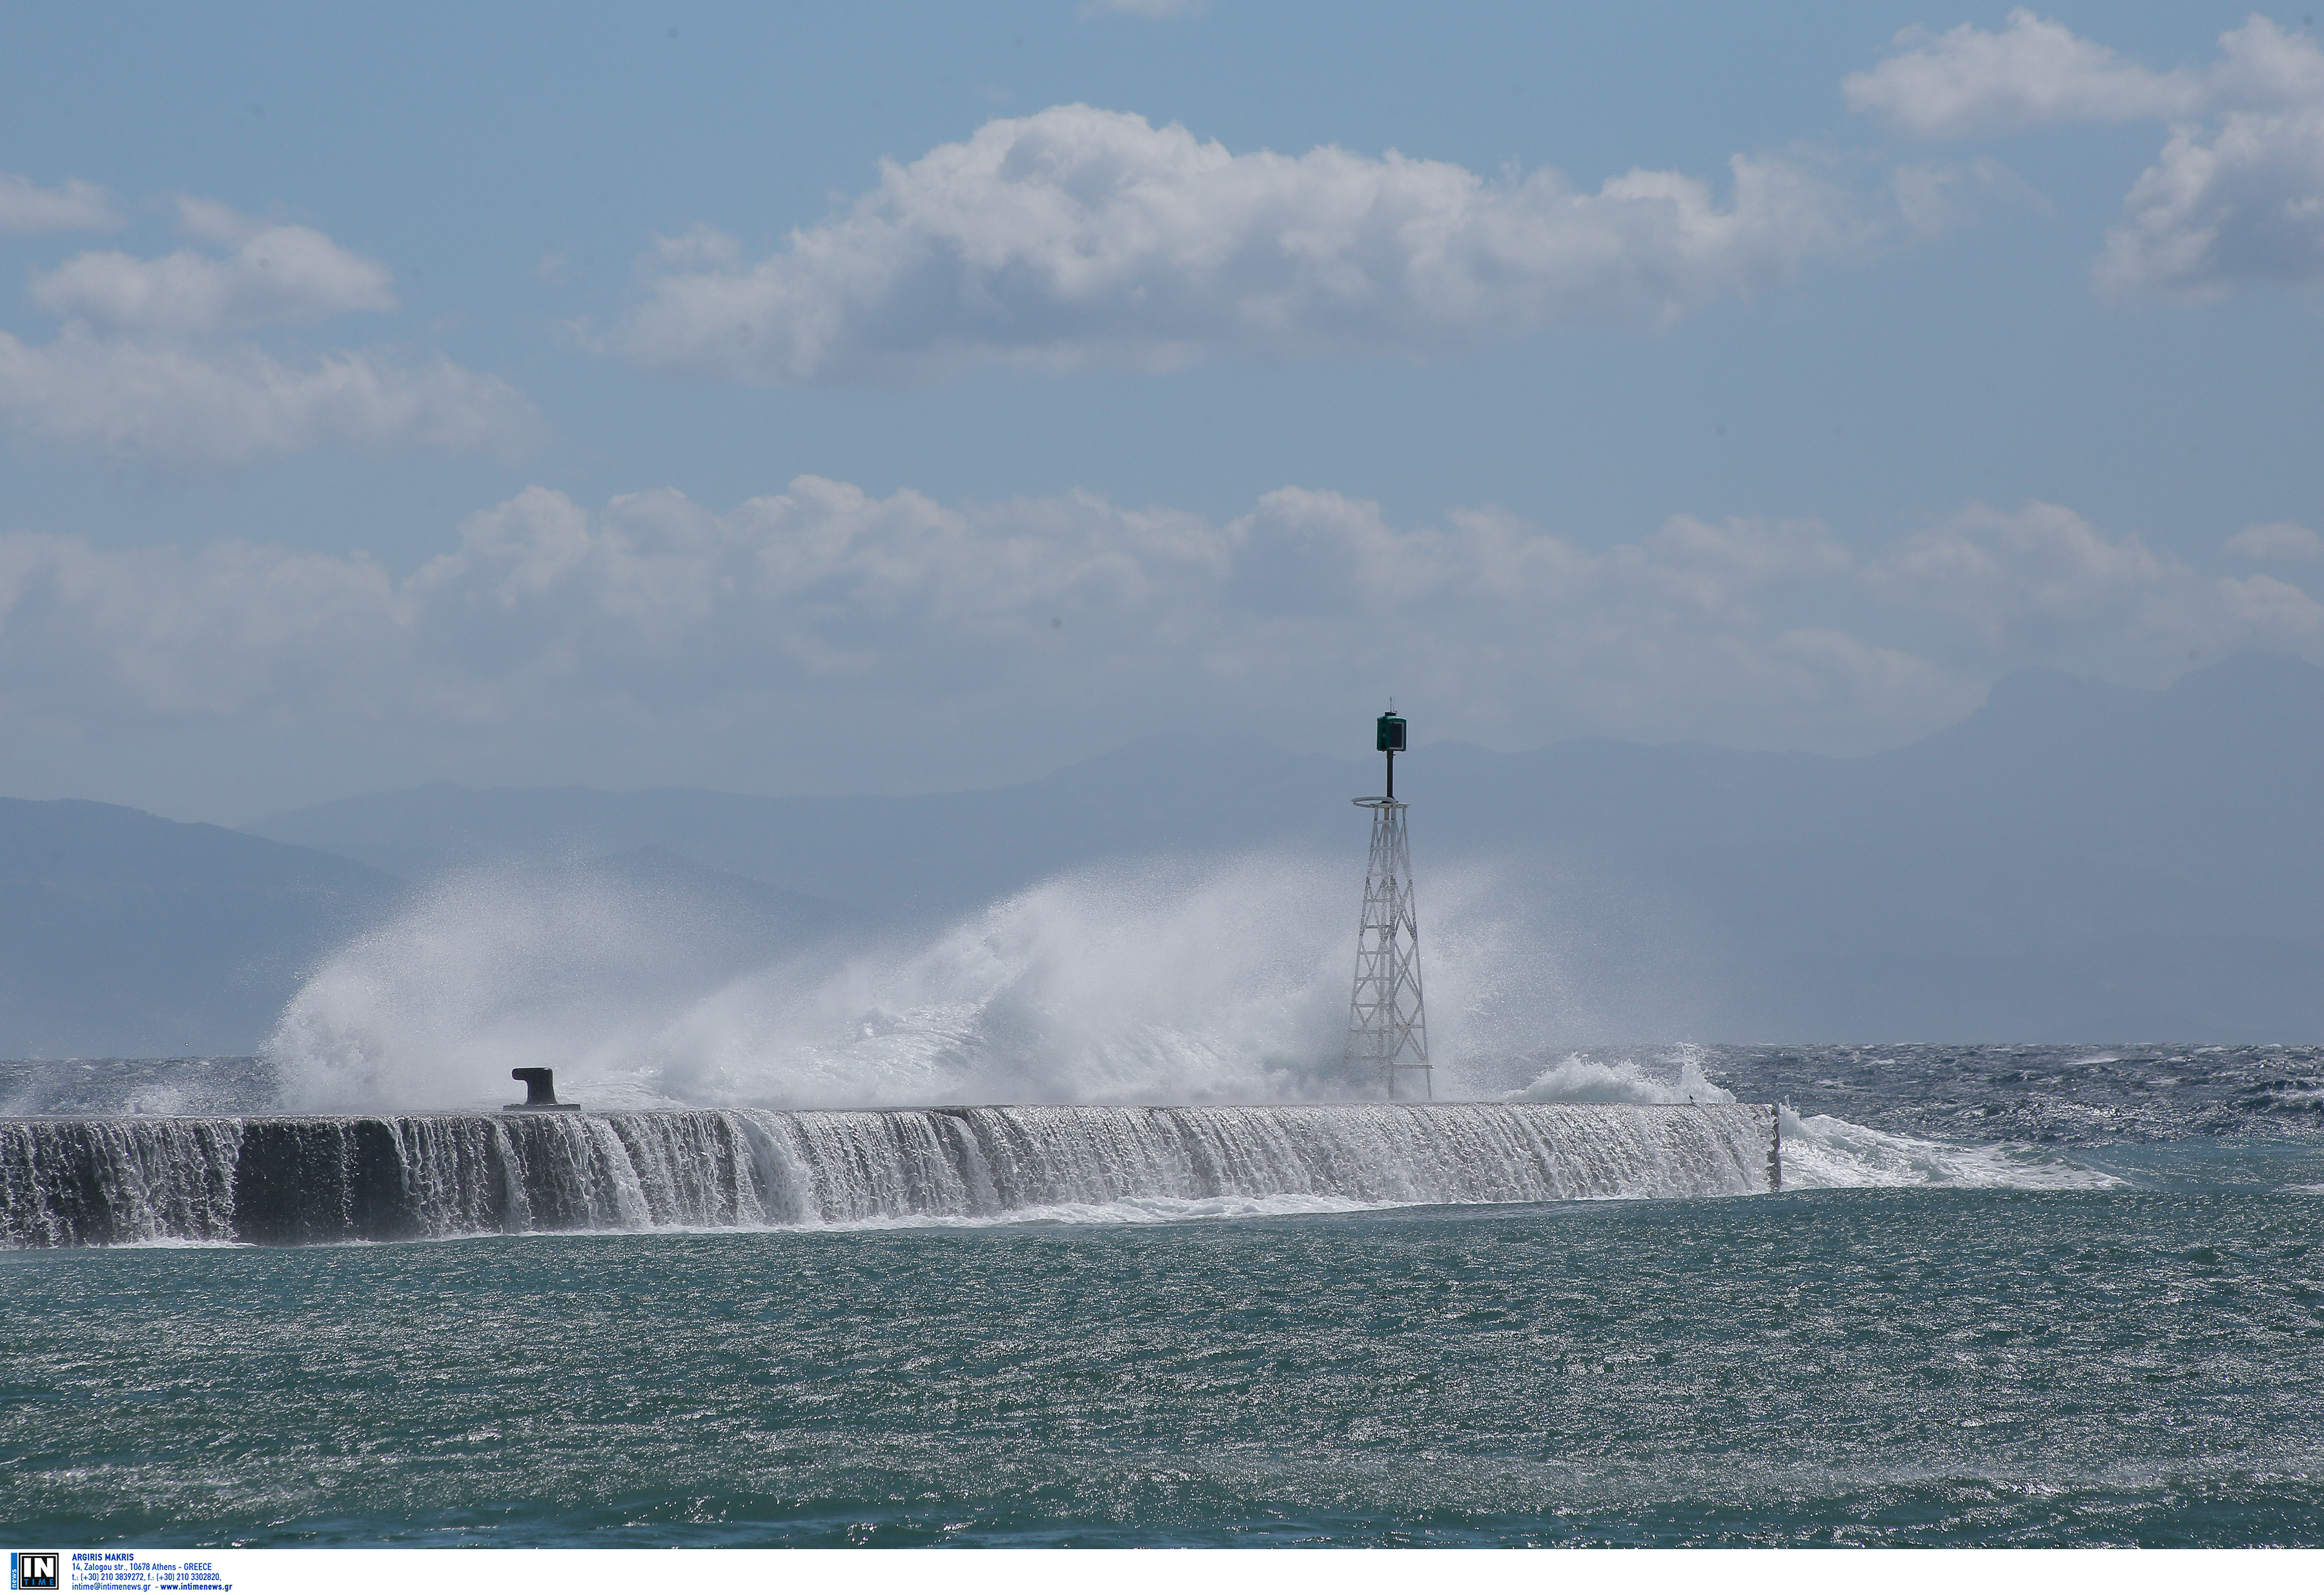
pixel 33 1570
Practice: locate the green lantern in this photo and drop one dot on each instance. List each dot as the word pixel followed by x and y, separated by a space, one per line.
pixel 1391 733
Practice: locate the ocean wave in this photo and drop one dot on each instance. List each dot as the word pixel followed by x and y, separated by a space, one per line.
pixel 1820 1152
pixel 1674 1075
pixel 1824 1153
pixel 1218 984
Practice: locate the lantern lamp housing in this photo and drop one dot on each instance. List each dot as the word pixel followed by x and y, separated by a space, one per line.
pixel 1391 733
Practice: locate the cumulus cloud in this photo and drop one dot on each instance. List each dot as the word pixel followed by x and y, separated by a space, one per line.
pixel 1969 83
pixel 160 634
pixel 2043 583
pixel 2237 195
pixel 155 364
pixel 1079 235
pixel 175 407
pixel 2280 540
pixel 2228 205
pixel 71 206
pixel 278 275
pixel 853 622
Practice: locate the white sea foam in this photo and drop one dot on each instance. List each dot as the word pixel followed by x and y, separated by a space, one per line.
pixel 1672 1074
pixel 1146 1210
pixel 1221 983
pixel 1821 1152
pixel 1214 983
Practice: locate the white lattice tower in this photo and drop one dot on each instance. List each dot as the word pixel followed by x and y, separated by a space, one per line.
pixel 1387 1029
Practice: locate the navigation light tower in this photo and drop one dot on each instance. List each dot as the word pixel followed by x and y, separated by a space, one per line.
pixel 1386 1030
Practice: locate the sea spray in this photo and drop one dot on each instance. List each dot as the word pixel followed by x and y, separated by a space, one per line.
pixel 1819 1151
pixel 488 971
pixel 1215 982
pixel 1822 1152
pixel 1670 1074
pixel 1190 984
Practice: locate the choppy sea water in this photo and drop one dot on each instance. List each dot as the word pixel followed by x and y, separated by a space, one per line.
pixel 2076 1297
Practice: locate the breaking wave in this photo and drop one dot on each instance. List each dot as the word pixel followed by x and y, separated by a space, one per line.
pixel 1675 1075
pixel 1168 984
pixel 1188 984
pixel 1819 1151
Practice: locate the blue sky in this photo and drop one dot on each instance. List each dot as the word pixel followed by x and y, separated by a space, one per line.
pixel 401 395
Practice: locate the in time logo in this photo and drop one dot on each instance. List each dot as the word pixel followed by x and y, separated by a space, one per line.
pixel 33 1570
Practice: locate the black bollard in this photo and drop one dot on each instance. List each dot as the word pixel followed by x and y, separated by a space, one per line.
pixel 539 1091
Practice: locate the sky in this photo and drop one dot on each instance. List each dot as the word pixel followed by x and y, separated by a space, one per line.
pixel 911 397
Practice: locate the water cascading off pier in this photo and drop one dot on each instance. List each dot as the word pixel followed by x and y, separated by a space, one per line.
pixel 543 1164
pixel 281 1180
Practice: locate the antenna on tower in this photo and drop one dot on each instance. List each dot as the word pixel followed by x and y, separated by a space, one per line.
pixel 1387 1030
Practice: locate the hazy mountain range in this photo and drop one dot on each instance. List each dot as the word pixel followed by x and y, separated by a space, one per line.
pixel 2075 860
pixel 122 933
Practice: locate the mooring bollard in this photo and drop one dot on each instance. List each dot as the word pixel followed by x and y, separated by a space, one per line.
pixel 539 1093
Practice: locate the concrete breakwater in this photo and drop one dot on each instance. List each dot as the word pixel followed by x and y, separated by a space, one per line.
pixel 287 1181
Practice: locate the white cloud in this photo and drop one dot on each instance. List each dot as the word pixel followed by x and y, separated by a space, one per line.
pixel 854 624
pixel 155 634
pixel 72 206
pixel 1933 199
pixel 214 221
pixel 152 366
pixel 2239 203
pixel 1971 84
pixel 2281 539
pixel 174 407
pixel 1153 10
pixel 2001 569
pixel 2042 584
pixel 1078 235
pixel 2238 195
pixel 278 275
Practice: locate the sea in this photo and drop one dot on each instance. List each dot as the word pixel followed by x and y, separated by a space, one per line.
pixel 2008 1296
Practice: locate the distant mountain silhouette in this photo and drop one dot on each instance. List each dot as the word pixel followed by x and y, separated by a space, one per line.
pixel 2074 860
pixel 2071 852
pixel 124 934
pixel 760 910
pixel 2072 855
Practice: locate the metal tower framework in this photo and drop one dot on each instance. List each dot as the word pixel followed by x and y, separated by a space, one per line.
pixel 1387 1029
